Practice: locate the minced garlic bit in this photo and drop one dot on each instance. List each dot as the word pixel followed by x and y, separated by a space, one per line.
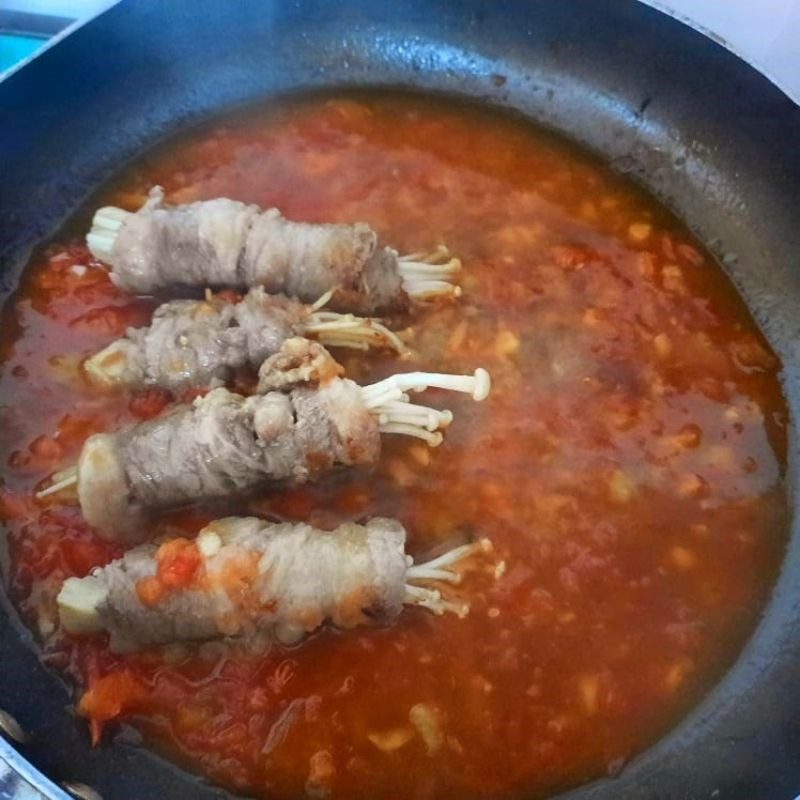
pixel 402 474
pixel 506 343
pixel 621 487
pixel 683 558
pixel 688 485
pixel 639 231
pixel 426 721
pixel 321 772
pixel 391 740
pixel 662 344
pixel 589 686
pixel 420 454
pixel 672 276
pixel 458 337
pixel 677 673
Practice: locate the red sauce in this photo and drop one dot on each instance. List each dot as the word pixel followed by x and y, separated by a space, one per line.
pixel 627 467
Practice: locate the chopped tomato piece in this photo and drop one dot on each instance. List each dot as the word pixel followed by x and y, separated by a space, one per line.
pixel 46 449
pixel 150 591
pixel 192 394
pixel 14 506
pixel 229 296
pixel 178 561
pixel 110 321
pixel 110 696
pixel 149 403
pixel 83 556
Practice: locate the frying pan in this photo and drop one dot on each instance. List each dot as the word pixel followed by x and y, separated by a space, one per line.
pixel 701 129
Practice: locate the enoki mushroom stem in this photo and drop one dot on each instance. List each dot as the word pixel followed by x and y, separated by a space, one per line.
pixel 60 481
pixel 478 385
pixel 347 330
pixel 441 569
pixel 432 600
pixel 105 225
pixel 427 275
pixel 389 402
pixel 108 220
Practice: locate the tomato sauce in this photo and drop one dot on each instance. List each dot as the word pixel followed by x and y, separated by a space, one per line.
pixel 627 467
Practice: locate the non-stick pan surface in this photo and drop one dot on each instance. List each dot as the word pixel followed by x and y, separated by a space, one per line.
pixel 705 132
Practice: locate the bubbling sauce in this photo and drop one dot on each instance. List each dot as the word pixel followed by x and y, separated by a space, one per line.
pixel 627 467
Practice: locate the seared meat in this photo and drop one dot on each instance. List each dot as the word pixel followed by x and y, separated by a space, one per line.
pixel 199 343
pixel 227 243
pixel 194 343
pixel 299 361
pixel 222 444
pixel 306 420
pixel 243 575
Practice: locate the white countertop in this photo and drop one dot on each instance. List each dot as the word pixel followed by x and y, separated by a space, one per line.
pixel 765 33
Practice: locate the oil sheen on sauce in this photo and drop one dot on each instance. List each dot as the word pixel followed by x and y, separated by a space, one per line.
pixel 627 467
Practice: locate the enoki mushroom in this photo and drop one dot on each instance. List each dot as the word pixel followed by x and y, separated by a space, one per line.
pixel 427 275
pixel 441 569
pixel 388 401
pixel 197 344
pixel 347 330
pixel 105 226
pixel 60 482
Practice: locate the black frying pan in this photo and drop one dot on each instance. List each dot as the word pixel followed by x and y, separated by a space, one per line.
pixel 700 128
